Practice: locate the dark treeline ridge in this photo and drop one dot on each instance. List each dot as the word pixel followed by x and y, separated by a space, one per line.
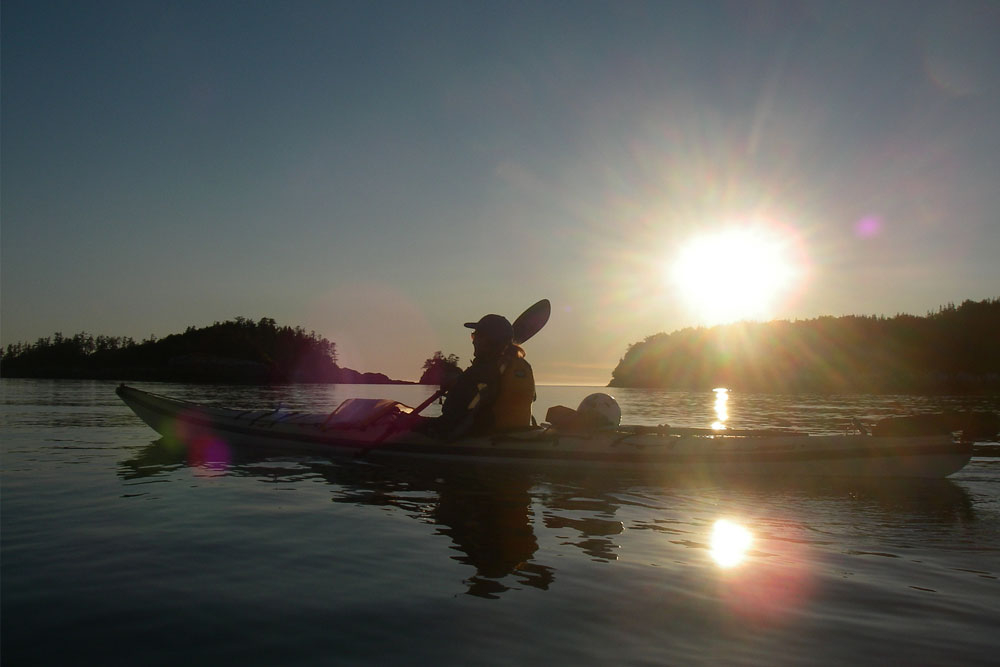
pixel 439 368
pixel 239 350
pixel 955 350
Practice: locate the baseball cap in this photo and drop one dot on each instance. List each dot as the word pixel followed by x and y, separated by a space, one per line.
pixel 494 327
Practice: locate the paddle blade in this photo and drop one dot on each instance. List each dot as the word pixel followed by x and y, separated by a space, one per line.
pixel 531 321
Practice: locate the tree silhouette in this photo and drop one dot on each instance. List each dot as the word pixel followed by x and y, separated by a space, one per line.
pixel 238 350
pixel 439 369
pixel 953 350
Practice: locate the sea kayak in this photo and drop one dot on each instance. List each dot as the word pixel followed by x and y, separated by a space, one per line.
pixel 381 428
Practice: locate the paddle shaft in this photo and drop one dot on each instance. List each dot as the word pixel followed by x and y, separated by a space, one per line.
pixel 430 399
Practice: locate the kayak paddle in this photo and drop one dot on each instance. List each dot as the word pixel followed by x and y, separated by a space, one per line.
pixel 531 321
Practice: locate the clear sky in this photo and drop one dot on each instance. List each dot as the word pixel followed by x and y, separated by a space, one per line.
pixel 381 172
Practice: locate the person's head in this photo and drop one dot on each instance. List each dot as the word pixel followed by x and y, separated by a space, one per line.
pixel 491 334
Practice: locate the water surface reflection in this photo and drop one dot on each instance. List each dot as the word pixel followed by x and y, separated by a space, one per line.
pixel 730 543
pixel 494 515
pixel 721 408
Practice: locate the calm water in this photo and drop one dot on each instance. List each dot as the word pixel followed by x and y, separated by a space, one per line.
pixel 118 549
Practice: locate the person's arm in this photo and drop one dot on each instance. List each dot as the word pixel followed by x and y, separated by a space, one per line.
pixel 472 393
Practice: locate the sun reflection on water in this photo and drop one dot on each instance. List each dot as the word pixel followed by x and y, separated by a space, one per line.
pixel 721 408
pixel 730 543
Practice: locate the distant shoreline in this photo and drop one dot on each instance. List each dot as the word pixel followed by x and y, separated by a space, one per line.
pixel 240 351
pixel 202 375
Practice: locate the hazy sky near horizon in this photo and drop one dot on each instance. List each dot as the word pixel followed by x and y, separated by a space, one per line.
pixel 381 172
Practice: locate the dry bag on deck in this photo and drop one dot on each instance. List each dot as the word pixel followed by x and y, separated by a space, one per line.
pixel 360 413
pixel 512 408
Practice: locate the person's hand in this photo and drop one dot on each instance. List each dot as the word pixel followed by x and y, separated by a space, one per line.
pixel 449 378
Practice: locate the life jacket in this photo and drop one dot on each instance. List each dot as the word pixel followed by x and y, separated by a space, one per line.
pixel 512 408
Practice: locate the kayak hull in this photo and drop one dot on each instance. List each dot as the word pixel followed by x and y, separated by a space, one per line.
pixel 684 452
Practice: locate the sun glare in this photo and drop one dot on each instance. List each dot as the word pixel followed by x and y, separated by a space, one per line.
pixel 730 543
pixel 721 409
pixel 734 274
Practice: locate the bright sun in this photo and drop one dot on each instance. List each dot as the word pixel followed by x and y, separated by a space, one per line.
pixel 735 274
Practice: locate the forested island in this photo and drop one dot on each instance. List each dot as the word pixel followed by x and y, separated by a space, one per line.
pixel 237 351
pixel 955 350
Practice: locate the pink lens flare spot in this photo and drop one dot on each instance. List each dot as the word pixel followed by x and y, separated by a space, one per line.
pixel 210 456
pixel 868 226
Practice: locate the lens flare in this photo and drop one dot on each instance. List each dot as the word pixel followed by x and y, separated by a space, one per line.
pixel 730 543
pixel 775 586
pixel 210 457
pixel 868 226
